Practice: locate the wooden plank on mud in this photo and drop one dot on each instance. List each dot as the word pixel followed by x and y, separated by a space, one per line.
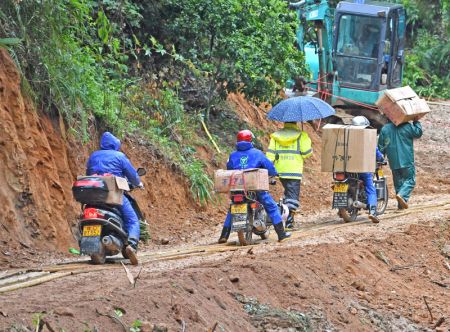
pixel 34 282
pixel 21 278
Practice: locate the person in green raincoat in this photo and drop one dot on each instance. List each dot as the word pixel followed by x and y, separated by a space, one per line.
pixel 397 143
pixel 288 148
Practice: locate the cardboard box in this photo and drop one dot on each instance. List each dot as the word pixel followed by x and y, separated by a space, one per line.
pixel 111 193
pixel 248 179
pixel 402 105
pixel 348 149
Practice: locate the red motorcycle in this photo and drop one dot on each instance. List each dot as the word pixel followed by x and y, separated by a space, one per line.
pixel 101 227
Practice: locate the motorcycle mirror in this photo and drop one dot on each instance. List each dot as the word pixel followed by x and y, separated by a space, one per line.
pixel 141 171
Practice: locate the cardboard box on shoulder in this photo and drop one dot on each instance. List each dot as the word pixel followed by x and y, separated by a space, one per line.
pixel 86 193
pixel 402 105
pixel 348 149
pixel 247 179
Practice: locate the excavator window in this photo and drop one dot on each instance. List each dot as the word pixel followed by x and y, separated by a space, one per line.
pixel 359 36
pixel 357 50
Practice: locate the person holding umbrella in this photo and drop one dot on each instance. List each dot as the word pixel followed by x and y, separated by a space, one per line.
pixel 290 146
pixel 287 149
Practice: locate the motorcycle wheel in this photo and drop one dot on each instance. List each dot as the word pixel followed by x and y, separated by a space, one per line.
pixel 98 259
pixel 382 203
pixel 245 237
pixel 348 215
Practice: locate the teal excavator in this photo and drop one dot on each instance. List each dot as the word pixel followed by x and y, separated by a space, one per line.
pixel 354 53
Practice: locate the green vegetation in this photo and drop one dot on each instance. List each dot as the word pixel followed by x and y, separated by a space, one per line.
pixel 245 46
pixel 266 317
pixel 150 68
pixel 428 43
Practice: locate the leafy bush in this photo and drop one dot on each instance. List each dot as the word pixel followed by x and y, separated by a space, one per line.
pixel 427 66
pixel 69 56
pixel 428 53
pixel 201 184
pixel 245 46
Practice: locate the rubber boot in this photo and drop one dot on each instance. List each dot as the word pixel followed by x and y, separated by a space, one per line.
pixel 373 214
pixel 225 235
pixel 290 220
pixel 401 202
pixel 131 251
pixel 282 235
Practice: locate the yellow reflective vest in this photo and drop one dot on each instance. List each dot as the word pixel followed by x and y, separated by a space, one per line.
pixel 287 149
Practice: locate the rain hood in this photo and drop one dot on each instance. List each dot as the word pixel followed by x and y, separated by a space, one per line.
pixel 287 135
pixel 109 142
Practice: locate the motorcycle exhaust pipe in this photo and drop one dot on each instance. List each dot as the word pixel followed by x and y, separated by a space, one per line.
pixel 359 205
pixel 112 244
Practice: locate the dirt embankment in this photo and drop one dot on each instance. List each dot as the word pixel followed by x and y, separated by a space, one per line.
pixel 40 161
pixel 35 172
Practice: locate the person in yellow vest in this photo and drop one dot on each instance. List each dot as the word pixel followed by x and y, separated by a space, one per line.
pixel 287 149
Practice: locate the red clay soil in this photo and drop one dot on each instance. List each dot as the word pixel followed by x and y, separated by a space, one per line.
pixel 35 172
pixel 345 281
pixel 40 161
pixel 376 282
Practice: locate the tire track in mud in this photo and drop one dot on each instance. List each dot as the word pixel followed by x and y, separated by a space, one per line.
pixel 17 279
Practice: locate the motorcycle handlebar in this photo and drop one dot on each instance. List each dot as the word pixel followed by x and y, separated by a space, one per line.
pixel 272 181
pixel 132 187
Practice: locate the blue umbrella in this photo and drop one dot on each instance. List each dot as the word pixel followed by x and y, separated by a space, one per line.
pixel 300 109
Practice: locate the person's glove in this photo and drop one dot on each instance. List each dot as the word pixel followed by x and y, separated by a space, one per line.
pixel 140 185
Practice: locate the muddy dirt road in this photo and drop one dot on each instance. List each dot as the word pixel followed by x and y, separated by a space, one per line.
pixel 330 276
pixel 393 276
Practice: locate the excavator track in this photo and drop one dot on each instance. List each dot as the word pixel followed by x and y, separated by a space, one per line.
pixel 21 278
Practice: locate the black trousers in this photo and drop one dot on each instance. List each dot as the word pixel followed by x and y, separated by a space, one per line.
pixel 291 193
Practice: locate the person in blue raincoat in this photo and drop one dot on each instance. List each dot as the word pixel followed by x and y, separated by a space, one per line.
pixel 367 178
pixel 246 156
pixel 110 160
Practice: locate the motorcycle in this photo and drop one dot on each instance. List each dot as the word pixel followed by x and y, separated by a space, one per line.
pixel 349 196
pixel 101 225
pixel 249 217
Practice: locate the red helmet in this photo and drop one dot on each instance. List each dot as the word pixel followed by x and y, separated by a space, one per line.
pixel 245 135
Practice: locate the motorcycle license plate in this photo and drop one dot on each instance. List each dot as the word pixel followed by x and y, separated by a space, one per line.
pixel 239 221
pixel 340 187
pixel 92 230
pixel 380 173
pixel 239 209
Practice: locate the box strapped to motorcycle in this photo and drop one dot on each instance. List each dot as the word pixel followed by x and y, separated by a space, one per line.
pixel 347 149
pixel 96 189
pixel 252 179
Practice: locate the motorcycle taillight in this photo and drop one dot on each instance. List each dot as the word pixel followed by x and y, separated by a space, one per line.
pixel 88 183
pixel 237 198
pixel 92 213
pixel 339 176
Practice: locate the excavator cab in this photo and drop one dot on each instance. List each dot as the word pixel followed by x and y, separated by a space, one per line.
pixel 367 53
